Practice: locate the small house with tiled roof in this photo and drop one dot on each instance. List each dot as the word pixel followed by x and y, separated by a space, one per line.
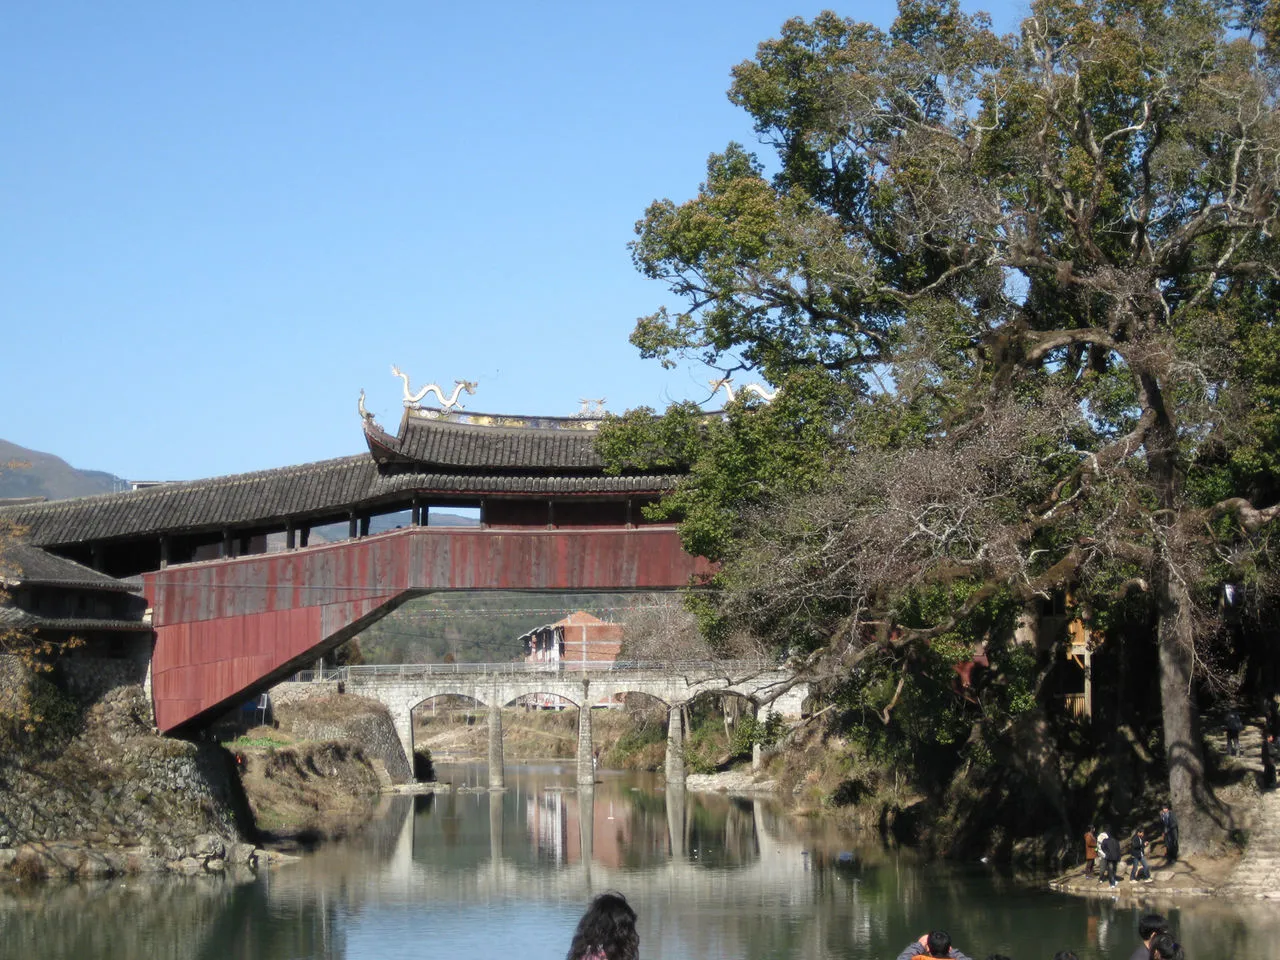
pixel 54 599
pixel 579 638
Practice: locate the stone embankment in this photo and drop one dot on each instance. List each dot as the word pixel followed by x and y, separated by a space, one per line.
pixel 92 790
pixel 331 716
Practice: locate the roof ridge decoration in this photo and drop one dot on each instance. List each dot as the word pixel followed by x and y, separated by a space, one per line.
pixel 365 416
pixel 574 423
pixel 412 399
pixel 727 384
pixel 591 409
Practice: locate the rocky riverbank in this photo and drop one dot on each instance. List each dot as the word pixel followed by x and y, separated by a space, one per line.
pixel 87 788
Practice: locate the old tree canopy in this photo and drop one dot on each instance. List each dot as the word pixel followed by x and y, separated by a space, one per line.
pixel 1020 295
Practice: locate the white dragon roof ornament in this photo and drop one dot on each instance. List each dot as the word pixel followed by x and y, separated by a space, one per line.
pixel 412 399
pixel 727 384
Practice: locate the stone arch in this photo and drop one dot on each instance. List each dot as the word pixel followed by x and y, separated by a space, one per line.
pixel 542 691
pixel 447 693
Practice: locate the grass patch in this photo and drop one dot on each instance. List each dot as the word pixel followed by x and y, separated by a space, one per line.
pixel 257 741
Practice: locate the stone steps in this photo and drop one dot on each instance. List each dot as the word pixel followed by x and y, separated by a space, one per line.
pixel 1258 873
pixel 380 768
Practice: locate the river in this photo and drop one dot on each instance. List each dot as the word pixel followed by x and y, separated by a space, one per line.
pixel 505 877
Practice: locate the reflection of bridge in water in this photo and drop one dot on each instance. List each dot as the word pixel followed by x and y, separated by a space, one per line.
pixel 401 688
pixel 769 864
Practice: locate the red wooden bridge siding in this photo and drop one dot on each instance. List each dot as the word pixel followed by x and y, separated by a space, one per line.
pixel 227 628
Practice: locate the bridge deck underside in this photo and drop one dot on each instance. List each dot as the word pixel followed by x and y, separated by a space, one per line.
pixel 227 629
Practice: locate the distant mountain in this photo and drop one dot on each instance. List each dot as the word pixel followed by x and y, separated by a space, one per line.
pixel 48 476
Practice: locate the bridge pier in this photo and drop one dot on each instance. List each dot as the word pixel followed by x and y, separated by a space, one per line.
pixel 675 747
pixel 402 719
pixel 586 765
pixel 495 828
pixel 757 751
pixel 496 780
pixel 675 800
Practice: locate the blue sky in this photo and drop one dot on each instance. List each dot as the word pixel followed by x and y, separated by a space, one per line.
pixel 218 222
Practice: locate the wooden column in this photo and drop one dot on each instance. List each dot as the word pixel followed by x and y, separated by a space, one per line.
pixel 164 552
pixel 304 535
pixel 417 513
pixel 228 545
pixel 630 522
pixel 551 514
pixel 352 525
pixel 364 525
pixel 290 537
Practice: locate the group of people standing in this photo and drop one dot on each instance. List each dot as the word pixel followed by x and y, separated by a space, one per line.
pixel 1109 846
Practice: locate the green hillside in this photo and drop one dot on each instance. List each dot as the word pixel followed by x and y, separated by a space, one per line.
pixel 478 627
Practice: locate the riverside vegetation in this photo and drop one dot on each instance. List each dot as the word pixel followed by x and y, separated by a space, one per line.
pixel 1018 293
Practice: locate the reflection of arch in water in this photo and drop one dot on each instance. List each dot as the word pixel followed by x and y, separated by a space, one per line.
pixel 764 860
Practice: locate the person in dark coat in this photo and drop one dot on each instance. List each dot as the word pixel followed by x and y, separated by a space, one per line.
pixel 1111 852
pixel 1233 725
pixel 1270 754
pixel 1169 820
pixel 1149 924
pixel 1138 850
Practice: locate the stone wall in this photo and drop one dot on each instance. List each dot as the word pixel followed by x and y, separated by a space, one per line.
pixel 93 790
pixel 356 719
pixel 89 679
pixel 283 694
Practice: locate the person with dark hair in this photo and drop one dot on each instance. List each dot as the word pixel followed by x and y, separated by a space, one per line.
pixel 936 943
pixel 1169 820
pixel 1065 955
pixel 607 931
pixel 1138 849
pixel 1233 725
pixel 1111 854
pixel 1164 947
pixel 1149 924
pixel 1090 850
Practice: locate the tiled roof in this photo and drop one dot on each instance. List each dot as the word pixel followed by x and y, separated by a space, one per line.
pixel 494 443
pixel 22 563
pixel 14 619
pixel 312 490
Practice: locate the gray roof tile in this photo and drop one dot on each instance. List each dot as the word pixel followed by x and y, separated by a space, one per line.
pixel 307 490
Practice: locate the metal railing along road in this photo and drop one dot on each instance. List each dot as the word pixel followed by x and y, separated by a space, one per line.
pixel 410 671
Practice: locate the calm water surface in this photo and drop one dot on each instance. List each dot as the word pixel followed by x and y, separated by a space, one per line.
pixel 467 875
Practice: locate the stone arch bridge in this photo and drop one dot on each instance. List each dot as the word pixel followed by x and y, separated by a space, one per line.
pixel 401 688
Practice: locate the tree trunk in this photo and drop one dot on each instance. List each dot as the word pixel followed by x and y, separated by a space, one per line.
pixel 1189 795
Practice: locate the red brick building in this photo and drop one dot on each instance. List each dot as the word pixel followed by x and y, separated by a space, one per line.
pixel 578 638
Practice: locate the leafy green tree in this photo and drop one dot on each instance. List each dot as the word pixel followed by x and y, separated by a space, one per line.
pixel 1042 271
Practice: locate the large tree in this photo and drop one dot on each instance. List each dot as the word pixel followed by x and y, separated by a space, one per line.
pixel 1045 266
